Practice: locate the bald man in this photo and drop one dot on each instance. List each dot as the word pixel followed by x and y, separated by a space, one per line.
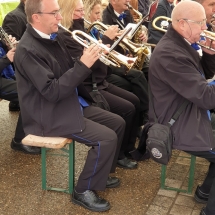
pixel 178 71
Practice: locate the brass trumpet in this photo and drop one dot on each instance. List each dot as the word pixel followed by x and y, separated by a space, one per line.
pixel 165 24
pixel 112 58
pixel 4 36
pixel 137 50
pixel 139 28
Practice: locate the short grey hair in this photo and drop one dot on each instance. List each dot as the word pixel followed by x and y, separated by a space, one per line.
pixel 32 7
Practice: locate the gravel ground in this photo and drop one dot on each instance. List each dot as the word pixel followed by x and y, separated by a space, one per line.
pixel 20 181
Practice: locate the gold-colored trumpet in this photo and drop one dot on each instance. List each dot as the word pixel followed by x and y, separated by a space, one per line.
pixel 137 50
pixel 111 58
pixel 166 21
pixel 139 28
pixel 139 15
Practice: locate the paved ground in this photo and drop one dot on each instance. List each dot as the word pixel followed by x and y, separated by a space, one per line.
pixel 138 194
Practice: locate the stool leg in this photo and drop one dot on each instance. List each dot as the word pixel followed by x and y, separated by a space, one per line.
pixel 43 158
pixel 192 173
pixel 71 166
pixel 163 176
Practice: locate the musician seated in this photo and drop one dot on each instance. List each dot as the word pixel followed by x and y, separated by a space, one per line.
pixel 178 73
pixel 117 13
pixel 54 103
pixel 120 102
pixel 133 81
pixel 164 8
pixel 8 91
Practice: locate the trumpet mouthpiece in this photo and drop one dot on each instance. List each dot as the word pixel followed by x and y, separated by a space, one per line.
pixel 129 6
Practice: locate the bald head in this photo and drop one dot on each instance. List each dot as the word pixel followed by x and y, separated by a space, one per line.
pixel 189 20
pixel 187 9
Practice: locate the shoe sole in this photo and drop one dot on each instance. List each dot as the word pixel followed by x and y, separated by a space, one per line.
pixel 113 185
pixel 91 209
pixel 199 200
pixel 22 150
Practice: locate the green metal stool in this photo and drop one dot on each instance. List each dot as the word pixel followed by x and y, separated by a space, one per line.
pixel 47 143
pixel 191 177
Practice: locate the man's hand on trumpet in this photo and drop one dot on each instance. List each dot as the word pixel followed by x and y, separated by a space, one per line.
pixel 112 32
pixel 91 55
pixel 209 43
pixel 143 36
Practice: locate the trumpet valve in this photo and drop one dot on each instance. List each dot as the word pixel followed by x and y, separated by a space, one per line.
pixel 164 24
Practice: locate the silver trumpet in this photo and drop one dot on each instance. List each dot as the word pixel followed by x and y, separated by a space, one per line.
pixel 112 57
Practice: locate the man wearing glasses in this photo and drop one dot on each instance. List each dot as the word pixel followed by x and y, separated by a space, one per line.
pixel 178 72
pixel 54 103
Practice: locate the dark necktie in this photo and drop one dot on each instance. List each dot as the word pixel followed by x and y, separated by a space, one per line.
pixel 172 6
pixel 122 16
pixel 195 46
pixel 52 36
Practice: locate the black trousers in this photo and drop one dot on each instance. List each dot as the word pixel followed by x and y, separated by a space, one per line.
pixel 8 91
pixel 126 105
pixel 208 186
pixel 134 81
pixel 103 134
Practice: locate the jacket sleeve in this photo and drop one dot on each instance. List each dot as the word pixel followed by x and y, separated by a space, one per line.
pixel 31 67
pixel 186 80
pixel 11 25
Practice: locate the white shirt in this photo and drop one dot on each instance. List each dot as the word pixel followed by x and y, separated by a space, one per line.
pixel 43 35
pixel 117 14
pixel 200 49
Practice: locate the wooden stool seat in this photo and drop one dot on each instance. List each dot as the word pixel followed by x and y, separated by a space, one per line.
pixel 47 143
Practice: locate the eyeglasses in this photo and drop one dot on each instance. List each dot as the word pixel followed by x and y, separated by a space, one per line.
pixel 201 23
pixel 80 10
pixel 55 14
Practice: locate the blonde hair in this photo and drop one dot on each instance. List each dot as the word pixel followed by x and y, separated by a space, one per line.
pixel 89 5
pixel 67 9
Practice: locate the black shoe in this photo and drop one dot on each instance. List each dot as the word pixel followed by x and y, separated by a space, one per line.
pixel 26 149
pixel 14 106
pixel 112 182
pixel 126 164
pixel 200 196
pixel 90 200
pixel 203 212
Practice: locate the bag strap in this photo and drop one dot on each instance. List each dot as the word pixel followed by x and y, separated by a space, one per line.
pixel 94 82
pixel 176 114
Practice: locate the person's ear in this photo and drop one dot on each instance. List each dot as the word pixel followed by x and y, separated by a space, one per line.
pixel 36 17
